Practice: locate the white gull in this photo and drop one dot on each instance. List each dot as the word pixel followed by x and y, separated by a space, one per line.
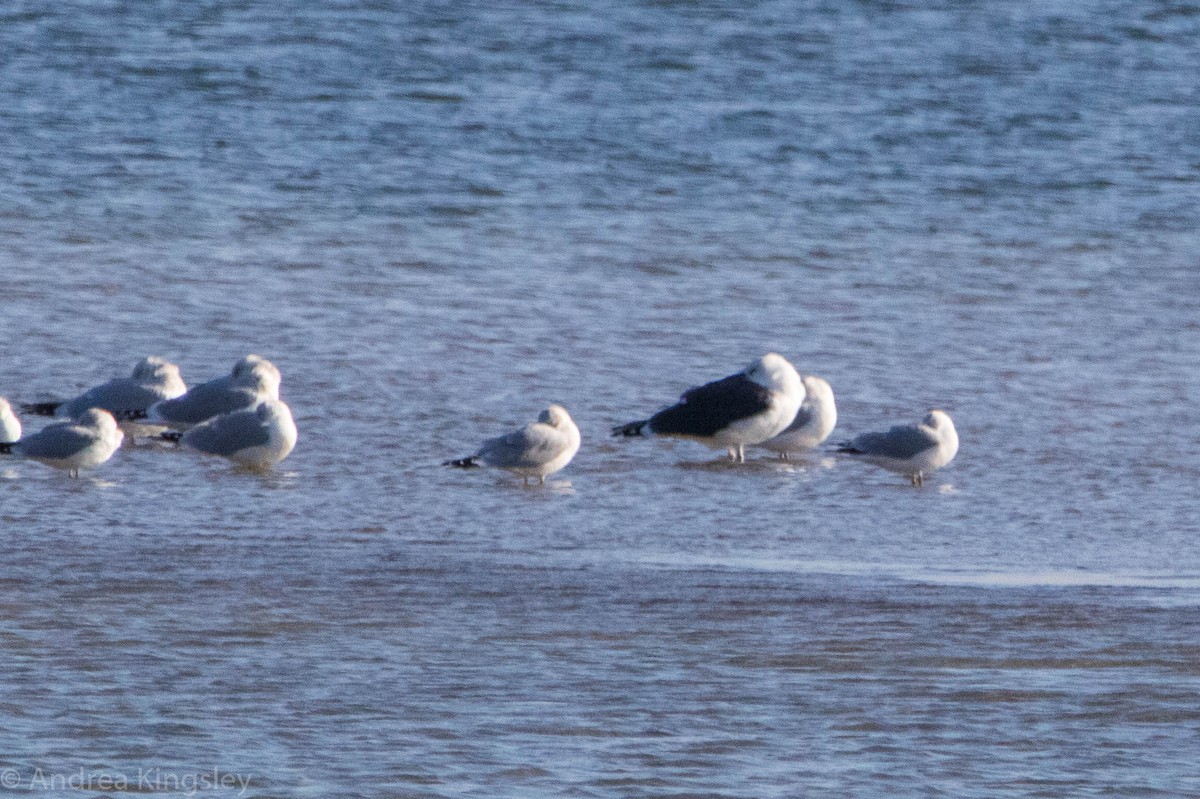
pixel 153 379
pixel 252 380
pixel 914 450
pixel 257 437
pixel 538 449
pixel 83 444
pixel 813 423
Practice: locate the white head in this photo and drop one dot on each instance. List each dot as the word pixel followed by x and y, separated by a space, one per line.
pixel 943 427
pixel 566 441
pixel 271 409
pixel 938 420
pixel 247 363
pixel 817 390
pixel 153 369
pixel 556 416
pixel 774 372
pixel 276 418
pixel 257 373
pixel 99 419
pixel 818 396
pixel 150 366
pixel 10 425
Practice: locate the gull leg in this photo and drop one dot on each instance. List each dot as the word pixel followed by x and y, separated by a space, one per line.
pixel 541 479
pixel 741 454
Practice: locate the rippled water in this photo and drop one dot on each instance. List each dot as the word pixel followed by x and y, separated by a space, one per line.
pixel 436 219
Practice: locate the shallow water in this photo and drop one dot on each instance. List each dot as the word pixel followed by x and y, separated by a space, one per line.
pixel 438 219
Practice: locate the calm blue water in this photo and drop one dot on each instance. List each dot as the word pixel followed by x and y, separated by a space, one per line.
pixel 438 218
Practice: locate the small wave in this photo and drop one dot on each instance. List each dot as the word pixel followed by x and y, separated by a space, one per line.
pixel 1071 578
pixel 935 575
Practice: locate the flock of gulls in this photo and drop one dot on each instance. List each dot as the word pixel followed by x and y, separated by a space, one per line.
pixel 768 405
pixel 240 417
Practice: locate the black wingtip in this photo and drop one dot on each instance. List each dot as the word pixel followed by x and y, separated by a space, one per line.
pixel 631 429
pixel 172 436
pixel 40 408
pixel 845 448
pixel 131 416
pixel 463 463
pixel 6 447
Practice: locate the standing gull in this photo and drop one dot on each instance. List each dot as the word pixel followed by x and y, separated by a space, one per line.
pixel 743 409
pixel 536 450
pixel 813 423
pixel 912 449
pixel 10 425
pixel 82 444
pixel 252 380
pixel 256 437
pixel 153 379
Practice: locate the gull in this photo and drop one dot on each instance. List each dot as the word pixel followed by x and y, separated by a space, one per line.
pixel 257 437
pixel 813 423
pixel 153 379
pixel 743 409
pixel 536 450
pixel 252 380
pixel 10 425
pixel 911 449
pixel 83 444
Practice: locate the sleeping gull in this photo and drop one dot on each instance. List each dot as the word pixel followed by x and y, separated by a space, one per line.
pixel 153 379
pixel 536 450
pixel 747 408
pixel 911 449
pixel 813 423
pixel 82 444
pixel 252 380
pixel 10 425
pixel 256 437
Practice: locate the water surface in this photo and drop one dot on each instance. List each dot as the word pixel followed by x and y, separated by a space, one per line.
pixel 437 219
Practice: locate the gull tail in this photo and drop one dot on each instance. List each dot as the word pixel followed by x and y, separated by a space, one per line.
pixel 6 447
pixel 464 463
pixel 40 408
pixel 631 429
pixel 848 448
